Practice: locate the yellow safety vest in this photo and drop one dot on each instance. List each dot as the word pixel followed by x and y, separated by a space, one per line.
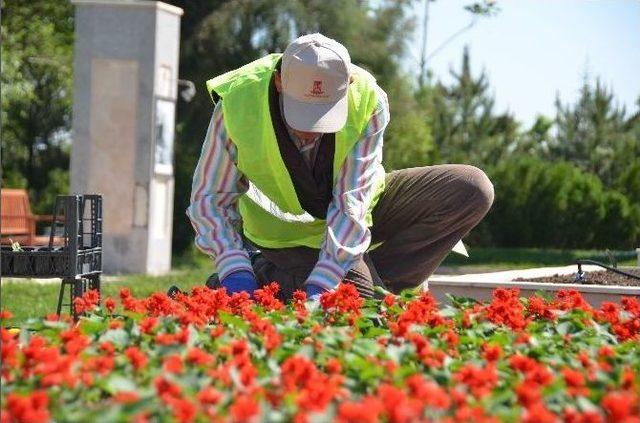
pixel 271 213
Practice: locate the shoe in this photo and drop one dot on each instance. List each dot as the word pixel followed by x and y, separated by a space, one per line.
pixel 213 282
pixel 173 291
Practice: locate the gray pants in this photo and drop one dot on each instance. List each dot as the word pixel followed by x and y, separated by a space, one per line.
pixel 421 215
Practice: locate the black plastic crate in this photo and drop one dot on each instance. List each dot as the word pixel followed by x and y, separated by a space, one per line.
pixel 35 262
pixel 78 261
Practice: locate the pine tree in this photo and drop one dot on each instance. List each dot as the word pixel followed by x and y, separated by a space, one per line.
pixel 592 133
pixel 465 127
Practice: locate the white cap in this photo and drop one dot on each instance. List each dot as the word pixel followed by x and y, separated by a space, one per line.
pixel 315 83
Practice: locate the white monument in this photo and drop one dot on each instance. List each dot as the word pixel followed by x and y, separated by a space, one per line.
pixel 125 90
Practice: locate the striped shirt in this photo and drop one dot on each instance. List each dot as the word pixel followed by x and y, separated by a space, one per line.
pixel 218 184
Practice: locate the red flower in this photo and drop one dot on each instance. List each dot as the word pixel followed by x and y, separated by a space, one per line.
pixel 74 341
pixel 528 393
pixel 506 309
pixel 159 304
pixel 480 381
pixel 534 372
pixel 103 365
pixel 266 296
pixel 148 324
pixel 137 358
pixel 389 300
pixel 298 301
pixel 606 351
pixel 571 415
pixel 108 348
pixel 87 302
pixel 491 353
pixel 576 384
pixel 628 379
pixel 183 410
pixel 130 303
pixel 126 397
pixel 429 393
pixel 621 406
pixel 244 409
pixel 333 366
pixel 366 410
pixel 209 395
pixel 538 413
pixel 344 300
pixel 537 307
pixel 625 327
pixel 570 299
pixel 8 349
pixel 197 356
pixel 110 304
pixel 399 407
pixel 166 389
pixel 31 408
pixel 314 389
pixel 172 364
pixel 422 311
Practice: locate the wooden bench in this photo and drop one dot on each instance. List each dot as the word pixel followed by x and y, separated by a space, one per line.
pixel 17 223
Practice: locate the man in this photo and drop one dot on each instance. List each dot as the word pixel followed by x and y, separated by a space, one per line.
pixel 291 165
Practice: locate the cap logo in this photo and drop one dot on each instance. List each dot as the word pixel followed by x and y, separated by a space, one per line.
pixel 317 90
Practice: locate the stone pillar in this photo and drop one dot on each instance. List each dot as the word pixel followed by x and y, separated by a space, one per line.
pixel 125 90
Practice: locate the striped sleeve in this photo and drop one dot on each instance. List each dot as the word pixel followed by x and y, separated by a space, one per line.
pixel 347 236
pixel 217 186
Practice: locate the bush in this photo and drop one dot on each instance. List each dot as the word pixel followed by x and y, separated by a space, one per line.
pixel 539 204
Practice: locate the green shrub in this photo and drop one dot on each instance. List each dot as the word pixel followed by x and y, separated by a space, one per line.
pixel 540 204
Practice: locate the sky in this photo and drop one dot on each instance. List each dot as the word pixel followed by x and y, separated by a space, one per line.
pixel 534 49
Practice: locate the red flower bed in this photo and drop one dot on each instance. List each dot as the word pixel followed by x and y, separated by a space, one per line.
pixel 210 357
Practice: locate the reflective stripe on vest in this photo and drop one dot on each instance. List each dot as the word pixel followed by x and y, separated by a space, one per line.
pixel 272 208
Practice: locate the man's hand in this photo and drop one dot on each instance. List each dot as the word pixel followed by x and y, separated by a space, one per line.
pixel 314 292
pixel 242 280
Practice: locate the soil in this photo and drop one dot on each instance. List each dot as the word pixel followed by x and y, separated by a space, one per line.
pixel 601 277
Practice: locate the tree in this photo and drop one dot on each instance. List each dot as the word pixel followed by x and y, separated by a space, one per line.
pixel 36 78
pixel 465 128
pixel 593 133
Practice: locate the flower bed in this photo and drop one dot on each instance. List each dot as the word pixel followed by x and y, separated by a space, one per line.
pixel 600 277
pixel 210 357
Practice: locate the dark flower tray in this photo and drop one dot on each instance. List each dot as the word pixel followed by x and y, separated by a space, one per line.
pixel 45 262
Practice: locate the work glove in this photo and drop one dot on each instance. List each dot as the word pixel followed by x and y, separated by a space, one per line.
pixel 314 292
pixel 239 281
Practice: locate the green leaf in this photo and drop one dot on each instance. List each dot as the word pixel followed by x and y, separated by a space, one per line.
pixel 117 383
pixel 93 325
pixel 365 346
pixel 118 337
pixel 233 320
pixel 375 332
pixel 564 328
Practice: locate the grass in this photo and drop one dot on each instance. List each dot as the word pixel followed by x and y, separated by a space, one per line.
pixel 27 299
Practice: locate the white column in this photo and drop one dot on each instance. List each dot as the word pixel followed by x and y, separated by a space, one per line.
pixel 125 90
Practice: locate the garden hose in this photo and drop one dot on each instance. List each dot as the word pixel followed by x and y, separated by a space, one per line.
pixel 580 276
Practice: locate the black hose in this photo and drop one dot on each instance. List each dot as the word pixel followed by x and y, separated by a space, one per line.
pixel 596 263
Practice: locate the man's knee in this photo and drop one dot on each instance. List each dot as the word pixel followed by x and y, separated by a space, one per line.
pixel 482 193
